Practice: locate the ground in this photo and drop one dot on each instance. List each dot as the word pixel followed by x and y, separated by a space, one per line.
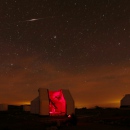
pixel 103 119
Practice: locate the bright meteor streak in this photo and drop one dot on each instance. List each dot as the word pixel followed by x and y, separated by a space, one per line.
pixel 32 20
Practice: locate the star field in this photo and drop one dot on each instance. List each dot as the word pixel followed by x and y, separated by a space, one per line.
pixel 80 45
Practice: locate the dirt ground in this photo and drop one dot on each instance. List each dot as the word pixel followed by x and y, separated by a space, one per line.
pixel 91 120
pixel 95 126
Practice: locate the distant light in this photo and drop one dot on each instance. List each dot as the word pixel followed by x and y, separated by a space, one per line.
pixel 69 116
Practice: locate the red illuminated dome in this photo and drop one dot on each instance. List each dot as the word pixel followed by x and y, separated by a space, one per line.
pixel 53 103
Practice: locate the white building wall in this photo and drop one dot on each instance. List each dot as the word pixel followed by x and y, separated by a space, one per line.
pixel 69 101
pixel 44 101
pixel 125 101
pixel 44 108
pixel 35 106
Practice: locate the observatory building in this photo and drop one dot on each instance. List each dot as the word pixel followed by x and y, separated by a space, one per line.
pixel 125 101
pixel 3 107
pixel 53 103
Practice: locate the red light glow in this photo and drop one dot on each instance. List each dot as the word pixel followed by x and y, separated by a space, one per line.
pixel 57 103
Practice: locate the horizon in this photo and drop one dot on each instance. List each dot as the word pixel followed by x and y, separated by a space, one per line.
pixel 106 105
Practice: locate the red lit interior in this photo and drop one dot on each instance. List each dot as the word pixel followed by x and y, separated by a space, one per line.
pixel 57 104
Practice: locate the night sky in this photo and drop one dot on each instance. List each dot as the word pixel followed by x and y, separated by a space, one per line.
pixel 80 45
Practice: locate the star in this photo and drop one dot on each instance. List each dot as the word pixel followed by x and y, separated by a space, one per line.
pixel 55 36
